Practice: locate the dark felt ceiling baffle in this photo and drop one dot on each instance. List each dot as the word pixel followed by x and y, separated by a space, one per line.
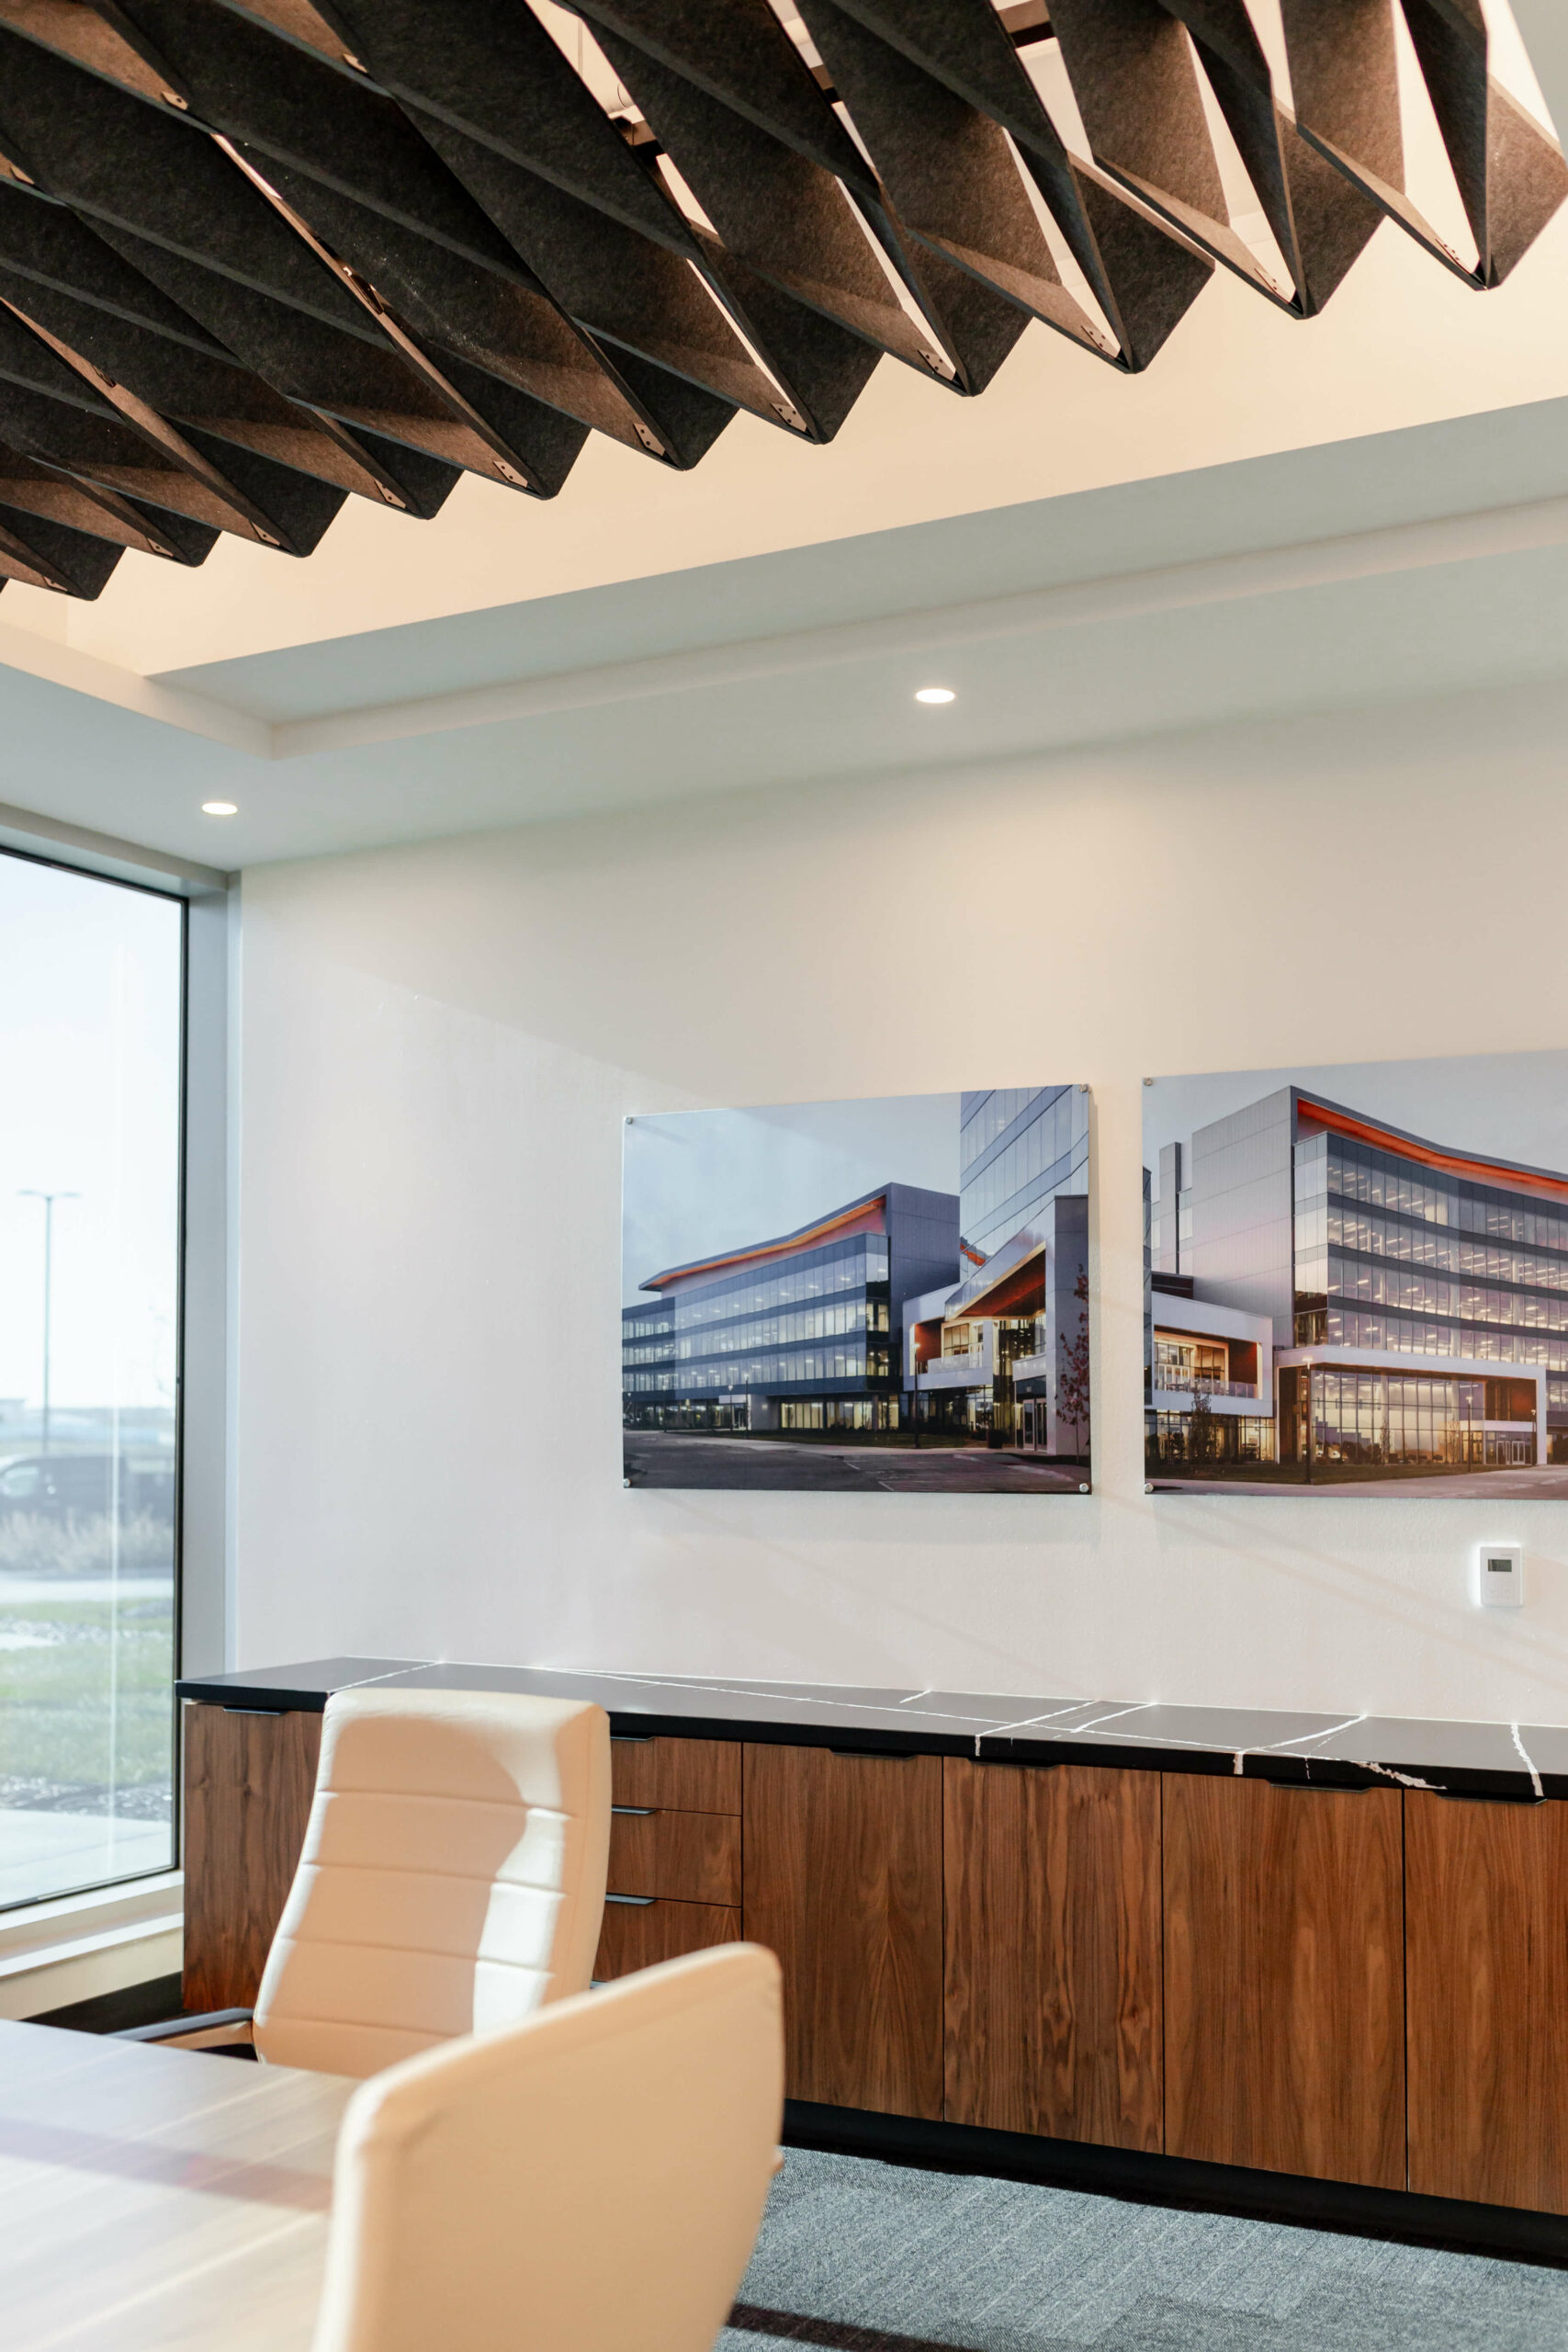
pixel 258 258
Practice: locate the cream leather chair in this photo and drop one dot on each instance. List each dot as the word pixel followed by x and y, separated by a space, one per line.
pixel 451 1883
pixel 591 2180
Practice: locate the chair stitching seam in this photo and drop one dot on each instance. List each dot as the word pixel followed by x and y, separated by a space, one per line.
pixel 415 1870
pixel 417 1951
pixel 430 1796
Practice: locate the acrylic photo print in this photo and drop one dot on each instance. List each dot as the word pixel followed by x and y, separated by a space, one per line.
pixel 887 1295
pixel 1355 1279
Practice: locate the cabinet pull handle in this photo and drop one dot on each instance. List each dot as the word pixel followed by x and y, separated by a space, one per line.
pixel 633 1738
pixel 1482 1796
pixel 643 1902
pixel 1317 1788
pixel 255 1711
pixel 645 1812
pixel 898 1755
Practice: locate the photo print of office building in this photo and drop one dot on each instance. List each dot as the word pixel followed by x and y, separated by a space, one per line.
pixel 926 1330
pixel 1335 1298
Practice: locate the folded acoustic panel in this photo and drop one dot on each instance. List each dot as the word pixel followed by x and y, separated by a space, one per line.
pixel 259 256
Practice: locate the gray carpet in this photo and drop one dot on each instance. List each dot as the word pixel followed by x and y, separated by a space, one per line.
pixel 859 2257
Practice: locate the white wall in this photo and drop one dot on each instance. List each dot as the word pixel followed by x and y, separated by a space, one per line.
pixel 440 1043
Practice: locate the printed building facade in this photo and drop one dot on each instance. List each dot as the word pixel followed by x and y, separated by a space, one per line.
pixel 1327 1290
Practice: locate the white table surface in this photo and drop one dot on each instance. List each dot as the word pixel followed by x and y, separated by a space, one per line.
pixel 156 2200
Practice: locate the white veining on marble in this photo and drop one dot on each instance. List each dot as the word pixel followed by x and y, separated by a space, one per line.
pixel 774 1697
pixel 1140 1707
pixel 1155 1739
pixel 1333 1731
pixel 1273 1746
pixel 1405 1779
pixel 908 1709
pixel 1175 1739
pixel 1027 1723
pixel 942 1716
pixel 1524 1752
pixel 1049 1715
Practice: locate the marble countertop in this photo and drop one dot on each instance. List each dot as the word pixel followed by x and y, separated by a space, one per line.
pixel 1523 1761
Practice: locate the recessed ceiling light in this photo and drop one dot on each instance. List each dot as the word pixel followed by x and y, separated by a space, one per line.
pixel 934 693
pixel 219 809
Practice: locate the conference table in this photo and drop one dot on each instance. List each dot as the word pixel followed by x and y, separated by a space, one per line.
pixel 158 2200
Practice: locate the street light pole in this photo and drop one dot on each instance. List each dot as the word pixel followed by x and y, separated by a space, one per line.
pixel 48 1199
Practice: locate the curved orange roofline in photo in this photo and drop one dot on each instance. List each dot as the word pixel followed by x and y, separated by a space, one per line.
pixel 864 1216
pixel 1538 1181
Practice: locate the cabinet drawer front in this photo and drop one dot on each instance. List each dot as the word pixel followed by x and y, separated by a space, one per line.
pixel 639 1934
pixel 695 1857
pixel 679 1775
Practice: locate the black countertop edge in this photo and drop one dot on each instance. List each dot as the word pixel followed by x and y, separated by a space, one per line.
pixel 301 1689
pixel 1281 1771
pixel 258 1699
pixel 867 1724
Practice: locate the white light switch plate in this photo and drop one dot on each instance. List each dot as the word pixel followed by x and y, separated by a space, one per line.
pixel 1499 1575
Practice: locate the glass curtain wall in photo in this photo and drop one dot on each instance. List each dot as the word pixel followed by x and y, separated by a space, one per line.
pixel 91 1039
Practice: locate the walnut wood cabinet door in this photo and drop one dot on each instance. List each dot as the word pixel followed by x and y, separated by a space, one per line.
pixel 841 1871
pixel 249 1779
pixel 1284 1980
pixel 1487 1912
pixel 1052 1950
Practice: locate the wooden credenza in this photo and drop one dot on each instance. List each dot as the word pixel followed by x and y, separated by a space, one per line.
pixel 1357 1986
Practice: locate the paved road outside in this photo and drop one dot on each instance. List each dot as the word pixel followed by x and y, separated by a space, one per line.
pixel 653 1458
pixel 1549 1485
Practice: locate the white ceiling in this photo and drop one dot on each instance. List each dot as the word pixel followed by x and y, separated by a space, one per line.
pixel 1379 547
pixel 1400 564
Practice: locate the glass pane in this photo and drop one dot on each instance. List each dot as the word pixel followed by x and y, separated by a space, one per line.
pixel 90 1022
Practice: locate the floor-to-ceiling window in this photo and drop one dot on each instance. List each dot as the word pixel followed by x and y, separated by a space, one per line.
pixel 91 1027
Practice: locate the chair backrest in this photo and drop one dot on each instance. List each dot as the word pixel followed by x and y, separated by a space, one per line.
pixel 592 2181
pixel 451 1878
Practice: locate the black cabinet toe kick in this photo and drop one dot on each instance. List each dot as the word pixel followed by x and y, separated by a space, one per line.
pixel 1449 2223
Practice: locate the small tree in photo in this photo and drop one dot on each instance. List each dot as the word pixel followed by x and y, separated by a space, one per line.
pixel 1203 1431
pixel 1072 1381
